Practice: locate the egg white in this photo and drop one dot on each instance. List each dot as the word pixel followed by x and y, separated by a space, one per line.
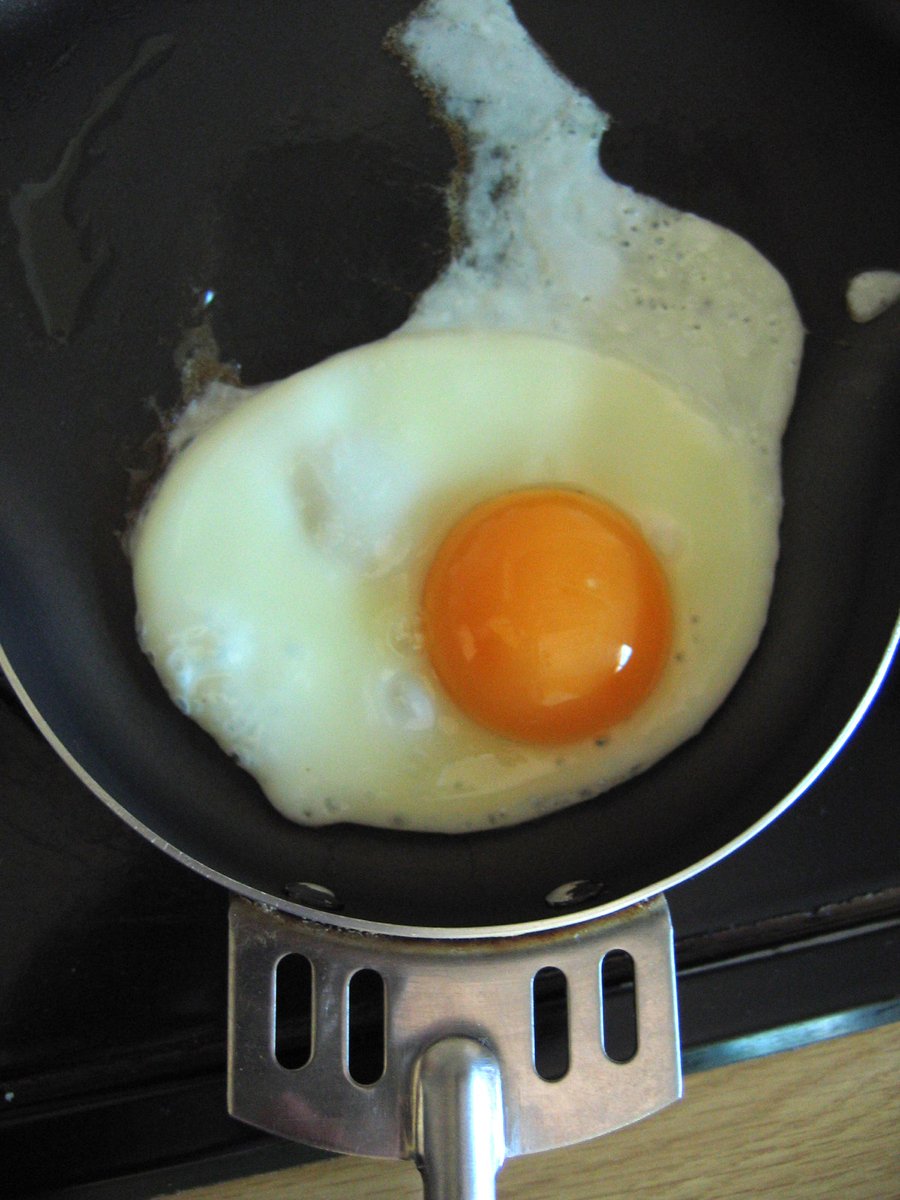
pixel 549 243
pixel 582 335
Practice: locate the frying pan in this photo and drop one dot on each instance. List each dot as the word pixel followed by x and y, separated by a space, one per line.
pixel 268 169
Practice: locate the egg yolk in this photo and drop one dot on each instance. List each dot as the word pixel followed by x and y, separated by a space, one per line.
pixel 546 616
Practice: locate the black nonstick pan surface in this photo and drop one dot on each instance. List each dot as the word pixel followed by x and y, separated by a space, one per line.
pixel 267 166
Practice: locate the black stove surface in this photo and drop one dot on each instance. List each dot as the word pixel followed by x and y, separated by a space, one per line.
pixel 113 975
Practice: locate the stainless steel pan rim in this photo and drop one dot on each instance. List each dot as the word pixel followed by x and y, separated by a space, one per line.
pixel 557 921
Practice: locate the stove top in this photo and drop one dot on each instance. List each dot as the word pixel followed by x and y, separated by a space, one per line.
pixel 113 975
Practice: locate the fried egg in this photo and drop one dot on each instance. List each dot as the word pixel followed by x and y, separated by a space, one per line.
pixel 519 550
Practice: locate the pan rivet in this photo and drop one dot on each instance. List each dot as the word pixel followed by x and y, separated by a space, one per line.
pixel 313 894
pixel 578 891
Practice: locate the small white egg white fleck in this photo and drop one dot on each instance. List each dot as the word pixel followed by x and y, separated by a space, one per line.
pixel 871 293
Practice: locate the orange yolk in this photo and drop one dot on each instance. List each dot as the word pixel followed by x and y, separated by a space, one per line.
pixel 546 616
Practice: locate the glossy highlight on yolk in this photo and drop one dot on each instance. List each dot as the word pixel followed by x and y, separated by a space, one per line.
pixel 546 615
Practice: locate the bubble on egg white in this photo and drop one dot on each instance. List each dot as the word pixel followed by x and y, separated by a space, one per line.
pixel 354 494
pixel 406 702
pixel 406 635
